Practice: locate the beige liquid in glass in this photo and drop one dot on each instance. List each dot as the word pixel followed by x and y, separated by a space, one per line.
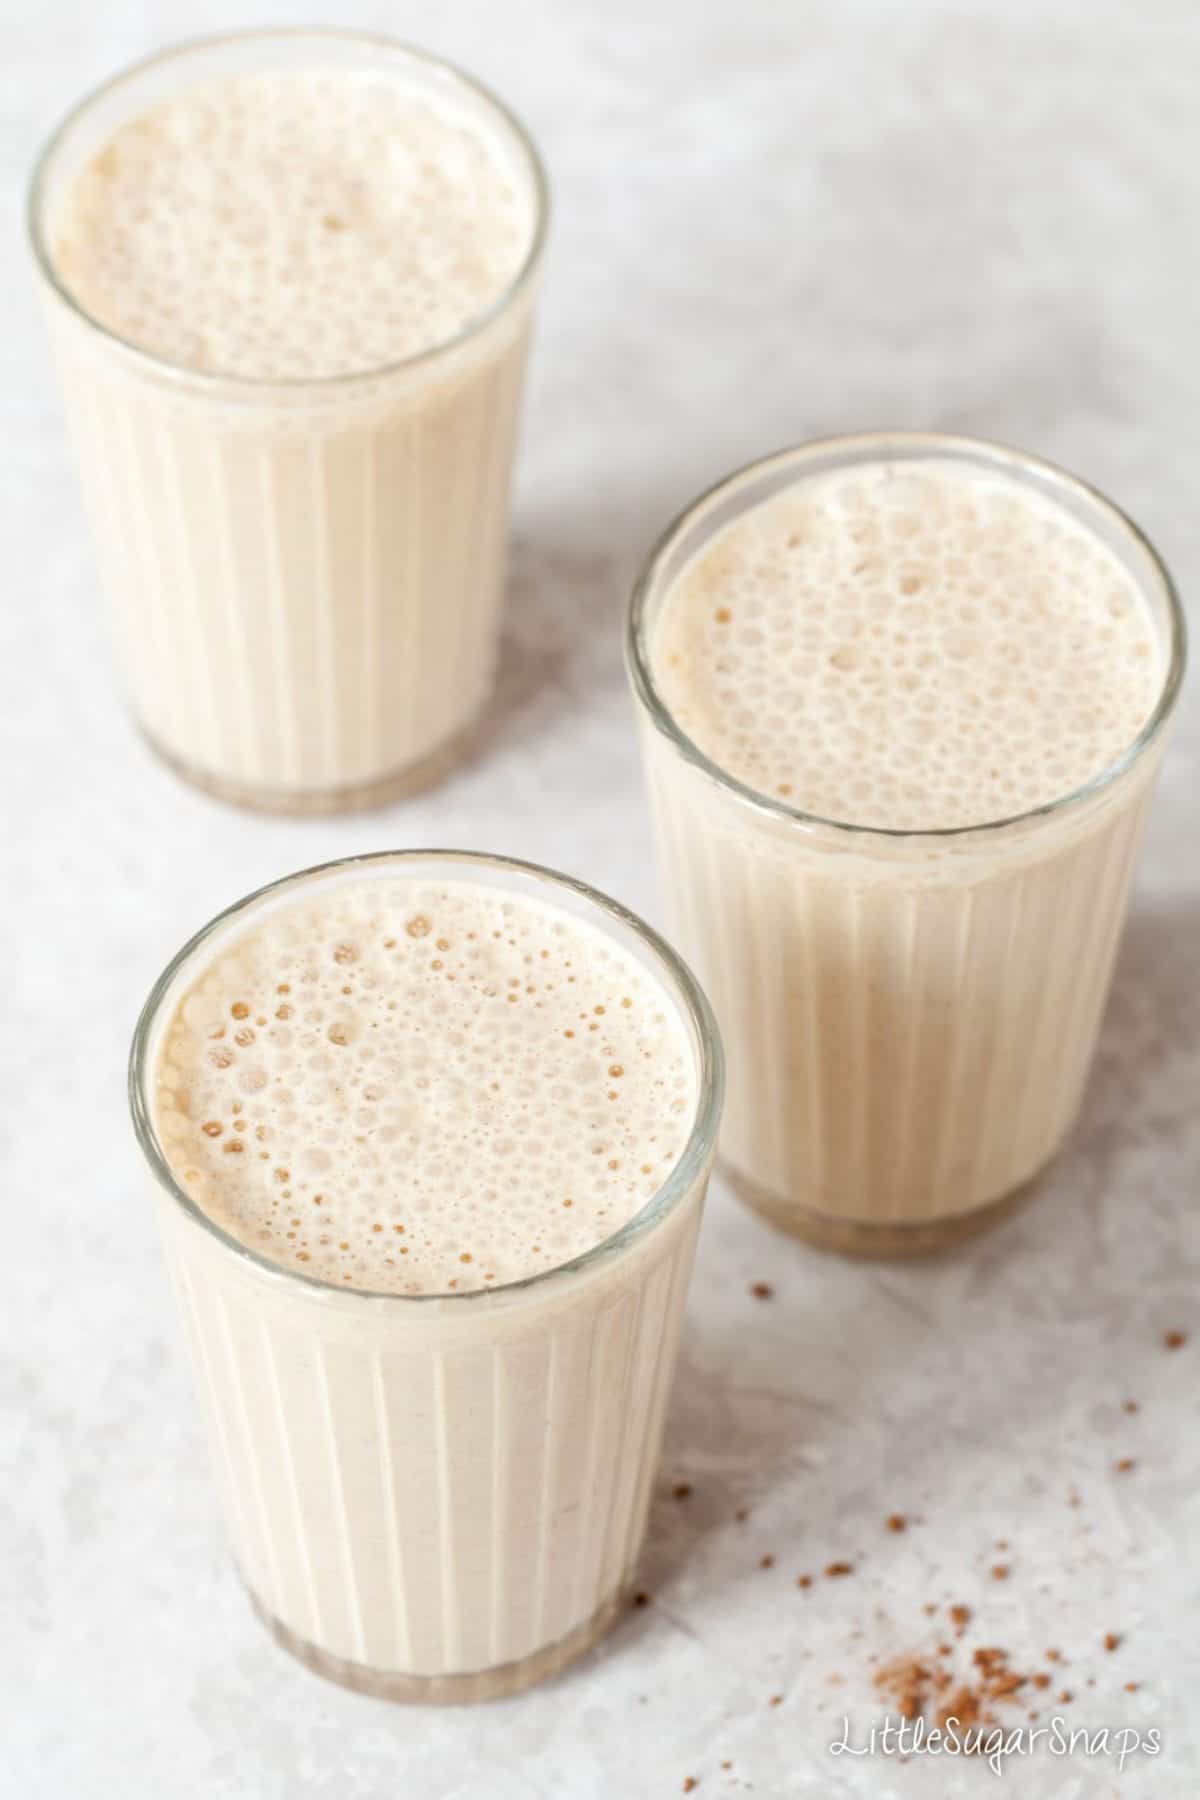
pixel 908 647
pixel 300 508
pixel 428 1089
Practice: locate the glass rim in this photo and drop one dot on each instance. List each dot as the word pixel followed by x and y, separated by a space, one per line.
pixel 211 380
pixel 876 446
pixel 686 992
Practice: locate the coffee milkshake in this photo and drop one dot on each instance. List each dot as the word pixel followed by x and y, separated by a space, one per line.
pixel 290 280
pixel 431 1134
pixel 901 701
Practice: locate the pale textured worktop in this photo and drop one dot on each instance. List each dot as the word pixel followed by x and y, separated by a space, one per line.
pixel 773 221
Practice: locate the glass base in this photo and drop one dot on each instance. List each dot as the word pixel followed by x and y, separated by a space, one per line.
pixel 454 1689
pixel 365 796
pixel 885 1239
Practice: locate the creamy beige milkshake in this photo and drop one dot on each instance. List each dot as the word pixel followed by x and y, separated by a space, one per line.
pixel 290 280
pixel 901 701
pixel 431 1134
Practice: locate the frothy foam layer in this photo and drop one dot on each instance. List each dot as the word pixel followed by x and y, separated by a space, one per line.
pixel 297 223
pixel 421 1089
pixel 909 646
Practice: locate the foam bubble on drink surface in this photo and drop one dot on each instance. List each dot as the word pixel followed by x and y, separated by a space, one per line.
pixel 292 224
pixel 910 646
pixel 415 1088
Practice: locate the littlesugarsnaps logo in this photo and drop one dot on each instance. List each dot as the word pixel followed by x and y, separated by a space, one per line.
pixel 998 1744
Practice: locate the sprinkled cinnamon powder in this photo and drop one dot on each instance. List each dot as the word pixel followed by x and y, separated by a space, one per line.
pixel 920 1688
pixel 1174 1340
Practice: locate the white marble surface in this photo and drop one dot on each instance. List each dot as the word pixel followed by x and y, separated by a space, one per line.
pixel 773 220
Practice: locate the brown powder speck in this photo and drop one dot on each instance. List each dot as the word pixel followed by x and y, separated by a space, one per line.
pixel 775 1700
pixel 1054 1656
pixel 1111 1640
pixel 1174 1340
pixel 1129 1406
pixel 1065 1697
pixel 690 1784
pixel 959 1616
pixel 804 1581
pixel 962 1705
pixel 767 1561
pixel 641 1598
pixel 1125 1464
pixel 1041 1679
pixel 834 1569
pixel 681 1490
pixel 742 1514
pixel 896 1522
pixel 1131 1687
pixel 761 1290
pixel 999 1571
